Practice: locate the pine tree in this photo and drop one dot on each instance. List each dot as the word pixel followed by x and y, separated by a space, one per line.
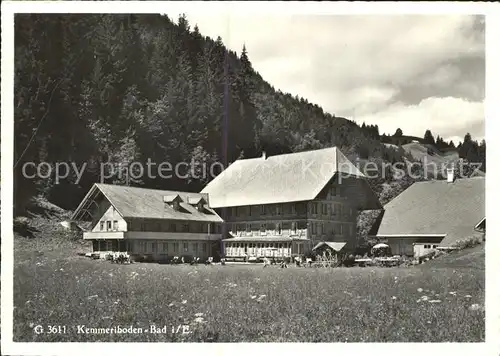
pixel 243 112
pixel 307 142
pixel 124 162
pixel 482 155
pixel 199 172
pixel 465 146
pixel 428 138
pixel 209 101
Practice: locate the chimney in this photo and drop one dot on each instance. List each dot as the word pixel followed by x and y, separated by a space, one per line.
pixel 263 154
pixel 450 173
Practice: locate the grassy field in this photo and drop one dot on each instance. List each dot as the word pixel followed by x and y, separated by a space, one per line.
pixel 245 303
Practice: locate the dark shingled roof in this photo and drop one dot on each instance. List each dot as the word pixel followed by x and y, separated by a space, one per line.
pixel 134 202
pixel 436 207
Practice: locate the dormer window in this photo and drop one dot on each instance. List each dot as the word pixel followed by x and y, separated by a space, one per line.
pixel 174 201
pixel 198 202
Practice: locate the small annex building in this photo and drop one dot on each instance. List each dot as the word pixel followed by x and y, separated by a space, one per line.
pixel 434 214
pixel 333 248
pixel 154 224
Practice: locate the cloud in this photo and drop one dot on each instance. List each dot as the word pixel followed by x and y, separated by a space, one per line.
pixel 357 101
pixel 447 115
pixel 462 78
pixel 442 76
pixel 362 66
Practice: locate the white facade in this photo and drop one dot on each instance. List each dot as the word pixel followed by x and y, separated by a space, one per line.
pixel 111 220
pixel 423 248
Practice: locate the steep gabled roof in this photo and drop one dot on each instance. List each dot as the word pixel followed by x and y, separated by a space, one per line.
pixel 481 224
pixel 133 202
pixel 284 178
pixel 336 246
pixel 436 208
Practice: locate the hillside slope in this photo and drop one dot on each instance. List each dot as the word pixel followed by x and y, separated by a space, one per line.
pixel 40 231
pixel 468 258
pixel 429 153
pixel 436 161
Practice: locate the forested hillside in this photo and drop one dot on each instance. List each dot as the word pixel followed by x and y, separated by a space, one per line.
pixel 91 89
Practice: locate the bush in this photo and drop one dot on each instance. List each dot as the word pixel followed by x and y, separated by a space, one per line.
pixel 431 255
pixel 467 242
pixel 137 258
pixel 404 261
pixel 310 254
pixel 349 261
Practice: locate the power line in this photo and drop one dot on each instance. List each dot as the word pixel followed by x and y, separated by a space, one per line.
pixel 39 124
pixel 77 60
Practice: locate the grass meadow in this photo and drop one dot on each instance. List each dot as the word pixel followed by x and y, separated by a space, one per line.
pixel 429 303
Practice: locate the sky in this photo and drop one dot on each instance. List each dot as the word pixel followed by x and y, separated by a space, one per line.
pixel 413 72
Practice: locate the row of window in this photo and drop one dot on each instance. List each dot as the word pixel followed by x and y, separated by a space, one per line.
pixel 289 208
pixel 430 246
pixel 165 247
pixel 149 246
pixel 278 227
pixel 270 209
pixel 166 227
pixel 232 247
pixel 108 225
pixel 335 191
pixel 333 209
pixel 109 245
pixel 338 229
pixel 317 228
pixel 258 245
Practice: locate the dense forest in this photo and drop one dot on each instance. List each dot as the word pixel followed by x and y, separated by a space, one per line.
pixel 118 89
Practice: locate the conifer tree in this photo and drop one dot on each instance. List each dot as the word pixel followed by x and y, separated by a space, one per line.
pixel 428 138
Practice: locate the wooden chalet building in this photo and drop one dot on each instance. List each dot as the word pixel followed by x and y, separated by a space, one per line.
pixel 150 223
pixel 282 206
pixel 434 214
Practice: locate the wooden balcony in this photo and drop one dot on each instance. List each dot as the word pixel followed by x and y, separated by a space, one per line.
pixel 147 235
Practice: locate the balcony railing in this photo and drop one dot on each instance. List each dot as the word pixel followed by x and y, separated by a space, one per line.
pixel 145 235
pixel 103 235
pixel 258 233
